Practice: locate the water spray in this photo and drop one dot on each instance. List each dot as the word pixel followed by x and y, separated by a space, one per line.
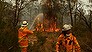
pixel 33 23
pixel 39 18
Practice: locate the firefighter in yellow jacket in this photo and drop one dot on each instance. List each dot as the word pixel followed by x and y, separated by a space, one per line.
pixel 66 41
pixel 23 36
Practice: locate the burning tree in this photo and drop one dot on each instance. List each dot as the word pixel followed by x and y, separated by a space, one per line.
pixel 49 11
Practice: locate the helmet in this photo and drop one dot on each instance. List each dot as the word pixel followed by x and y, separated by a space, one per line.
pixel 66 27
pixel 24 23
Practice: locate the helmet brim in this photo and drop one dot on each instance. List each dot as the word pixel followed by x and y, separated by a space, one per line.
pixel 24 25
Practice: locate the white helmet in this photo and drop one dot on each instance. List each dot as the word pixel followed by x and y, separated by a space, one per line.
pixel 66 27
pixel 24 23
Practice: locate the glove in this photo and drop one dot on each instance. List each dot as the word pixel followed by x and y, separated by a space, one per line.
pixel 57 51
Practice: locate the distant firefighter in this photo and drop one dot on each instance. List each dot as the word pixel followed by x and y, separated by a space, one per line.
pixel 23 36
pixel 66 42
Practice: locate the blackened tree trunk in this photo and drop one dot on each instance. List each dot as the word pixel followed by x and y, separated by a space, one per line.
pixel 50 15
pixel 75 15
pixel 70 12
pixel 90 21
pixel 16 14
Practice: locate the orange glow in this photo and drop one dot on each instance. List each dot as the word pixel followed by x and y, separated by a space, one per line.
pixel 52 28
pixel 39 27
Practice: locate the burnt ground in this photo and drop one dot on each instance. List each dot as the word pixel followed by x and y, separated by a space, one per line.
pixel 46 41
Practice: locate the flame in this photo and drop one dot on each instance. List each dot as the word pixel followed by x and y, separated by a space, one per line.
pixel 52 28
pixel 46 25
pixel 39 27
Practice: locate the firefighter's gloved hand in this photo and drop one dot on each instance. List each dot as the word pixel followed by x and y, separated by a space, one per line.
pixel 57 51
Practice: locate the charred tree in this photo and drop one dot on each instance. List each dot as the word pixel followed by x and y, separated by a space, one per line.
pixel 50 15
pixel 16 14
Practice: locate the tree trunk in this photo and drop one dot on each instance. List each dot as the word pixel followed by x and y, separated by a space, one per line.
pixel 16 14
pixel 90 21
pixel 70 12
pixel 75 17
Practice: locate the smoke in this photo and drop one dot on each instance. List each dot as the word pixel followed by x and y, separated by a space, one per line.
pixel 11 2
pixel 39 1
pixel 86 6
pixel 30 13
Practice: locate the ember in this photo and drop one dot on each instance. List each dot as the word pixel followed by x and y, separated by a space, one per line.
pixel 39 27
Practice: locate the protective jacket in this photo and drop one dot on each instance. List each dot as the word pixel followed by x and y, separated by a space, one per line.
pixel 67 44
pixel 23 36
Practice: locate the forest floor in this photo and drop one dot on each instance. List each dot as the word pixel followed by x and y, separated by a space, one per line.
pixel 46 41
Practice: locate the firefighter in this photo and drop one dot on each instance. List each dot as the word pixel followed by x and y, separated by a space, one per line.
pixel 23 36
pixel 66 41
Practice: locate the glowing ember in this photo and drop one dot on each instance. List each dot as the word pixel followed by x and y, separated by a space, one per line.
pixel 39 27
